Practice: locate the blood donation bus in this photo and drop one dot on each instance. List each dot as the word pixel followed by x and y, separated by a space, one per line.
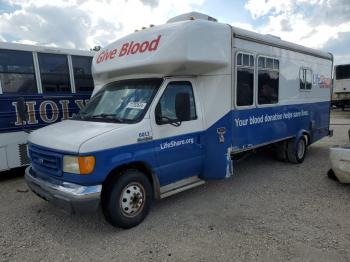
pixel 172 105
pixel 52 83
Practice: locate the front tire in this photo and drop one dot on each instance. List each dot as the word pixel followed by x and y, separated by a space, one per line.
pixel 127 199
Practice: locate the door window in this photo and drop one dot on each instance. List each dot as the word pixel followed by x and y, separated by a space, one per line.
pixel 177 99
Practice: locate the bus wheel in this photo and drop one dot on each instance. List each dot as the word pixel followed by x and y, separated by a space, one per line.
pixel 281 151
pixel 296 153
pixel 128 199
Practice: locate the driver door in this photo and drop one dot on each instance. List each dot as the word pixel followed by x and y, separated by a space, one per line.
pixel 177 125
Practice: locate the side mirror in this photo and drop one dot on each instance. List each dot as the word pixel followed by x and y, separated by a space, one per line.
pixel 22 109
pixel 163 120
pixel 183 107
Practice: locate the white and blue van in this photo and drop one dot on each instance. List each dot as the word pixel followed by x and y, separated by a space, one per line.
pixel 172 105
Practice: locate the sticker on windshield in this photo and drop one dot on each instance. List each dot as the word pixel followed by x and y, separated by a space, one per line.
pixel 136 105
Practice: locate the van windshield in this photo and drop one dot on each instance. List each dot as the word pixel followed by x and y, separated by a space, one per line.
pixel 123 101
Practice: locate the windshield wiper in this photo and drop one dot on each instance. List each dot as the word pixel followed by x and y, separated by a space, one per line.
pixel 108 116
pixel 103 115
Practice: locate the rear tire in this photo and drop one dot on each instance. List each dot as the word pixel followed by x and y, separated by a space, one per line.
pixel 127 199
pixel 281 151
pixel 296 152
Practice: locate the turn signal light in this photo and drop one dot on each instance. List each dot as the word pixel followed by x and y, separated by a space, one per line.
pixel 86 164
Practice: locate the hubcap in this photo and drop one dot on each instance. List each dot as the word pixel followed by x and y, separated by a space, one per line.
pixel 301 148
pixel 132 199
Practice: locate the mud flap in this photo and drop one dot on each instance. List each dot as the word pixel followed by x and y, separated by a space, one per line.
pixel 229 163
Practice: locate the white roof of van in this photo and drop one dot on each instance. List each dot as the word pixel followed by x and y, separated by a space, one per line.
pixel 182 48
pixel 278 42
pixel 256 37
pixel 189 44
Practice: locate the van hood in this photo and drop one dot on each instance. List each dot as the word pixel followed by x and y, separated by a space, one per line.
pixel 69 135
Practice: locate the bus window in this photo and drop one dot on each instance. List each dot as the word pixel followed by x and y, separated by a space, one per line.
pixel 82 73
pixel 308 79
pixel 245 79
pixel 54 73
pixel 17 72
pixel 305 76
pixel 268 81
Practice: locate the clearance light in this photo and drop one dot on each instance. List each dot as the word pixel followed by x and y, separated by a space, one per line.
pixel 83 165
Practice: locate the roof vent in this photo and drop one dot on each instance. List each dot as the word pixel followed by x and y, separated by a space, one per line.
pixel 191 16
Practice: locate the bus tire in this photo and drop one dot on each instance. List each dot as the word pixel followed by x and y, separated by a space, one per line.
pixel 128 199
pixel 281 151
pixel 296 152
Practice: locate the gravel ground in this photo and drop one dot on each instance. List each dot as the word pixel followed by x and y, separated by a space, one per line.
pixel 269 211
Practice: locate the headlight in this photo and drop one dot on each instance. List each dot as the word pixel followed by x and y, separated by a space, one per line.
pixel 27 149
pixel 78 164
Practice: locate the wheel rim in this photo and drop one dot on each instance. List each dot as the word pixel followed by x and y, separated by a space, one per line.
pixel 301 149
pixel 132 199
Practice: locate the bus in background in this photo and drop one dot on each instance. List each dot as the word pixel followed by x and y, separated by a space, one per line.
pixel 341 90
pixel 52 83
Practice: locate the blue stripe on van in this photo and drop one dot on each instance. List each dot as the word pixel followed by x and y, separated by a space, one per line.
pixel 312 118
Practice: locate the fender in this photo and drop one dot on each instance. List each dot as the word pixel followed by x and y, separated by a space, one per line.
pixel 108 160
pixel 142 166
pixel 301 133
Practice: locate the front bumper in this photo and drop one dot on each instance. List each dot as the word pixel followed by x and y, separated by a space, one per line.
pixel 340 162
pixel 72 198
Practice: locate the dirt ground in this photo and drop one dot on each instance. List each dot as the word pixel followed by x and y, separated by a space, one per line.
pixel 268 211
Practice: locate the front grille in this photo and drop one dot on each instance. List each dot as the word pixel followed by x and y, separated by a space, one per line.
pixel 45 161
pixel 23 154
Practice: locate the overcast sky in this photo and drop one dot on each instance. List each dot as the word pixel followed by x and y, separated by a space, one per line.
pixel 83 24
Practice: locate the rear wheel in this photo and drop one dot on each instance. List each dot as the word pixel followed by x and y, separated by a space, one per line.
pixel 281 151
pixel 127 199
pixel 296 152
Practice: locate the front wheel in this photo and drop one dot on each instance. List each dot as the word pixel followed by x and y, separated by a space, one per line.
pixel 127 199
